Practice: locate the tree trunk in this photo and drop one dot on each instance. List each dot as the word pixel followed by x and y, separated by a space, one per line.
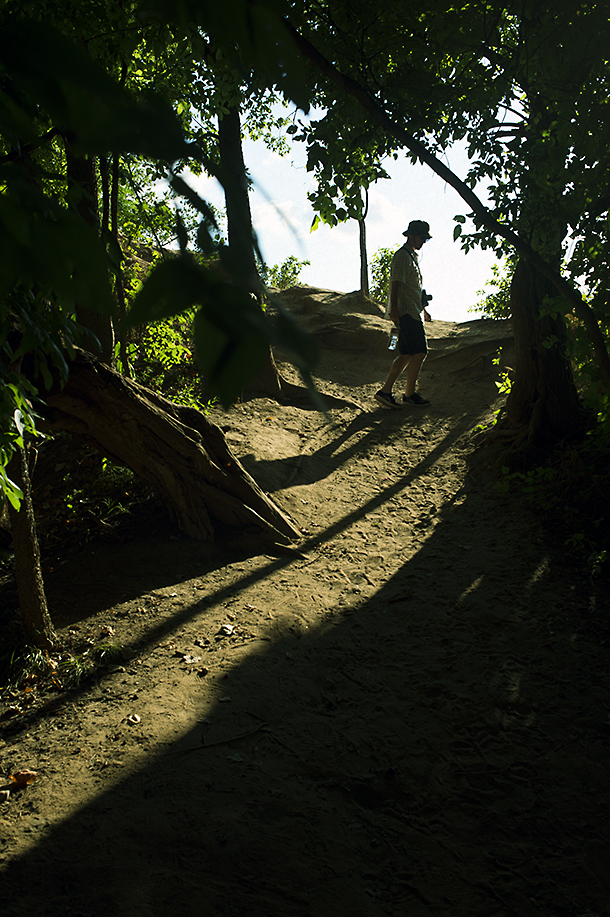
pixel 267 380
pixel 37 624
pixel 482 213
pixel 364 267
pixel 239 223
pixel 543 402
pixel 82 185
pixel 176 450
pixel 364 262
pixel 119 286
pixel 237 201
pixel 105 192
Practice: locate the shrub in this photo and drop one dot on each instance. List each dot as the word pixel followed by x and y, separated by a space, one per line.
pixel 380 273
pixel 283 275
pixel 495 302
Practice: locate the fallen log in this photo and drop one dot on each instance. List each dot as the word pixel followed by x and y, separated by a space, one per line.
pixel 176 450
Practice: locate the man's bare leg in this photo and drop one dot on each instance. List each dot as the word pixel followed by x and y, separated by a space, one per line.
pixel 395 370
pixel 414 365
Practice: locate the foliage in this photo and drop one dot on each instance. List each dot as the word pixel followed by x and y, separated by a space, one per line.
pixel 29 674
pixel 162 358
pixel 48 258
pixel 79 497
pixel 380 272
pixel 504 382
pixel 527 88
pixel 40 330
pixel 97 93
pixel 89 497
pixel 338 194
pixel 146 212
pixel 283 275
pixel 570 493
pixel 495 303
pixel 532 483
pixel 587 373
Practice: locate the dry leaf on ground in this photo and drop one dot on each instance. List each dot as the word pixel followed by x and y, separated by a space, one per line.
pixel 22 778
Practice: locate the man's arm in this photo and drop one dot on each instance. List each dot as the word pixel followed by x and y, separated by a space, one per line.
pixel 395 286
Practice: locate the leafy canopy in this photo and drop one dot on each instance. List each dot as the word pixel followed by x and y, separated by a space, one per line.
pixel 84 75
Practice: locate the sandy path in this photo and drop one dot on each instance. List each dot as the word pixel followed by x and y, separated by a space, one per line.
pixel 409 717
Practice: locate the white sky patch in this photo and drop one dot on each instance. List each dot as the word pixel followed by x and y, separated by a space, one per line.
pixel 206 187
pixel 273 216
pixel 412 193
pixel 385 214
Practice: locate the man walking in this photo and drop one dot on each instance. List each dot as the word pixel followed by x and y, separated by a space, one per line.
pixel 405 306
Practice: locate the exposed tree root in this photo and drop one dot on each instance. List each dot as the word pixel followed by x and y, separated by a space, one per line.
pixel 176 450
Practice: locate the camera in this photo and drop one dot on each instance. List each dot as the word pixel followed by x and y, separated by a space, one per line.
pixel 425 298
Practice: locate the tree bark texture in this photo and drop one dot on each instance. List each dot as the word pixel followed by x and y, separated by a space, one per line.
pixel 267 380
pixel 35 618
pixel 543 402
pixel 239 226
pixel 364 265
pixel 237 201
pixel 82 182
pixel 181 455
pixel 364 261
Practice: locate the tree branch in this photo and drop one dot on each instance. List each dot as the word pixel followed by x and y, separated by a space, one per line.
pixel 582 309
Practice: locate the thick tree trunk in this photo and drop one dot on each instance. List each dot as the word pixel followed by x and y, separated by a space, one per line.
pixel 543 404
pixel 82 185
pixel 267 380
pixel 176 450
pixel 237 201
pixel 37 624
pixel 239 225
pixel 119 286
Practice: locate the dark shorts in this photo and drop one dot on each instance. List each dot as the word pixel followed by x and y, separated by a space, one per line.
pixel 412 336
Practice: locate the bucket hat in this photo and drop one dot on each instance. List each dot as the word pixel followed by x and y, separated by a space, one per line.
pixel 418 228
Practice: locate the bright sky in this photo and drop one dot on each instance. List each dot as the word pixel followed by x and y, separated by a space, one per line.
pixel 282 217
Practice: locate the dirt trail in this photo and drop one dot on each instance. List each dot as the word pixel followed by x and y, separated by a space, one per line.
pixel 408 716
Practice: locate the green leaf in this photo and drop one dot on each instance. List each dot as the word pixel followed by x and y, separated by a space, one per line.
pixel 172 287
pixel 227 361
pixel 18 418
pixel 550 341
pixel 14 121
pixel 46 375
pixel 82 99
pixel 457 232
pixel 13 493
pixel 43 244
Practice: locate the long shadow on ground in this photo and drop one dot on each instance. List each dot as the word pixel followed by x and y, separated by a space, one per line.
pixel 438 749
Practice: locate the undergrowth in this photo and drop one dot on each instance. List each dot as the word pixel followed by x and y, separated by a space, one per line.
pixel 161 357
pixel 79 495
pixel 31 677
pixel 79 498
pixel 570 492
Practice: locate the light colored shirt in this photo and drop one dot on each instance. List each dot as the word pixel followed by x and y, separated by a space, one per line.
pixel 405 268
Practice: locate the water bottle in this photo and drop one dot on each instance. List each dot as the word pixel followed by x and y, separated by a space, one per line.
pixel 393 338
